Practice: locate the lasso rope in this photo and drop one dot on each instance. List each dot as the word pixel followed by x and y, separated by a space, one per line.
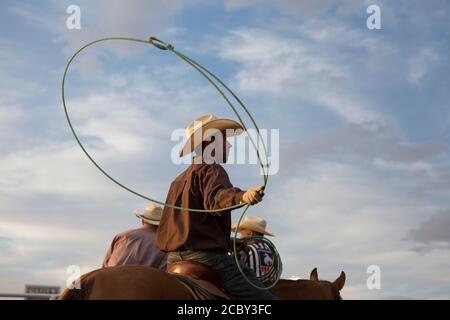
pixel 215 82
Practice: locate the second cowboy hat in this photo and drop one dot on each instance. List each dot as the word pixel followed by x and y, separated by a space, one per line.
pixel 254 223
pixel 205 127
pixel 151 214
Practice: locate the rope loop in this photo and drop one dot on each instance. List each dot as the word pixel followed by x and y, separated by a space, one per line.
pixel 160 44
pixel 220 86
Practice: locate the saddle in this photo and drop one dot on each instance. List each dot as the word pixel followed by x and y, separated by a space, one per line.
pixel 202 281
pixel 196 270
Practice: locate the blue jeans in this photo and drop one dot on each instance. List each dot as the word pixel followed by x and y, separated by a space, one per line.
pixel 232 280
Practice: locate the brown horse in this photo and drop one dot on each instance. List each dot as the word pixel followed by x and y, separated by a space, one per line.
pixel 144 283
pixel 312 289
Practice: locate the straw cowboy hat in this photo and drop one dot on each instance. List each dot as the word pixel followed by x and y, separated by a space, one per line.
pixel 151 214
pixel 204 127
pixel 254 223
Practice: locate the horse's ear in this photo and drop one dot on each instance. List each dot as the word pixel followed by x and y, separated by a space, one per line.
pixel 314 276
pixel 339 282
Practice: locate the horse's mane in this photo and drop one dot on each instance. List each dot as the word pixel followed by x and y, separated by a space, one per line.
pixel 283 283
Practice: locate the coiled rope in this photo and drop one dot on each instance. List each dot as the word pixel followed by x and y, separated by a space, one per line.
pixel 216 83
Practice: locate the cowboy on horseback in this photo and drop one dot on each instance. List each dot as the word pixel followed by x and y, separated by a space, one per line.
pixel 255 253
pixel 137 246
pixel 205 237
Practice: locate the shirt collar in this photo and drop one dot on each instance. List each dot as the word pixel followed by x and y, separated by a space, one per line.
pixel 205 159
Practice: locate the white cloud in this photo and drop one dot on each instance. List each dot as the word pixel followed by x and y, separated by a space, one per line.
pixel 59 170
pixel 33 15
pixel 411 167
pixel 297 70
pixel 271 63
pixel 141 19
pixel 378 145
pixel 421 63
pixel 33 232
pixel 36 253
pixel 8 116
pixel 304 9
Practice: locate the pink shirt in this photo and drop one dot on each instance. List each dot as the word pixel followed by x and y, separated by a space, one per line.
pixel 135 246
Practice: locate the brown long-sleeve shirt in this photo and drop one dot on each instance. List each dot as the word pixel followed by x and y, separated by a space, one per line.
pixel 135 246
pixel 200 186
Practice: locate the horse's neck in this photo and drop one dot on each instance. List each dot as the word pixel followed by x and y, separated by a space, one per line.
pixel 299 284
pixel 302 289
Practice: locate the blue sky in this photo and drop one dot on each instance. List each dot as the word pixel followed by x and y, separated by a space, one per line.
pixel 363 117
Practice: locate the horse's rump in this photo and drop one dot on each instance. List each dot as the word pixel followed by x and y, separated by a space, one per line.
pixel 129 282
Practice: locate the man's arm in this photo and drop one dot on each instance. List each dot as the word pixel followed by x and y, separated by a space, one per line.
pixel 217 190
pixel 109 253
